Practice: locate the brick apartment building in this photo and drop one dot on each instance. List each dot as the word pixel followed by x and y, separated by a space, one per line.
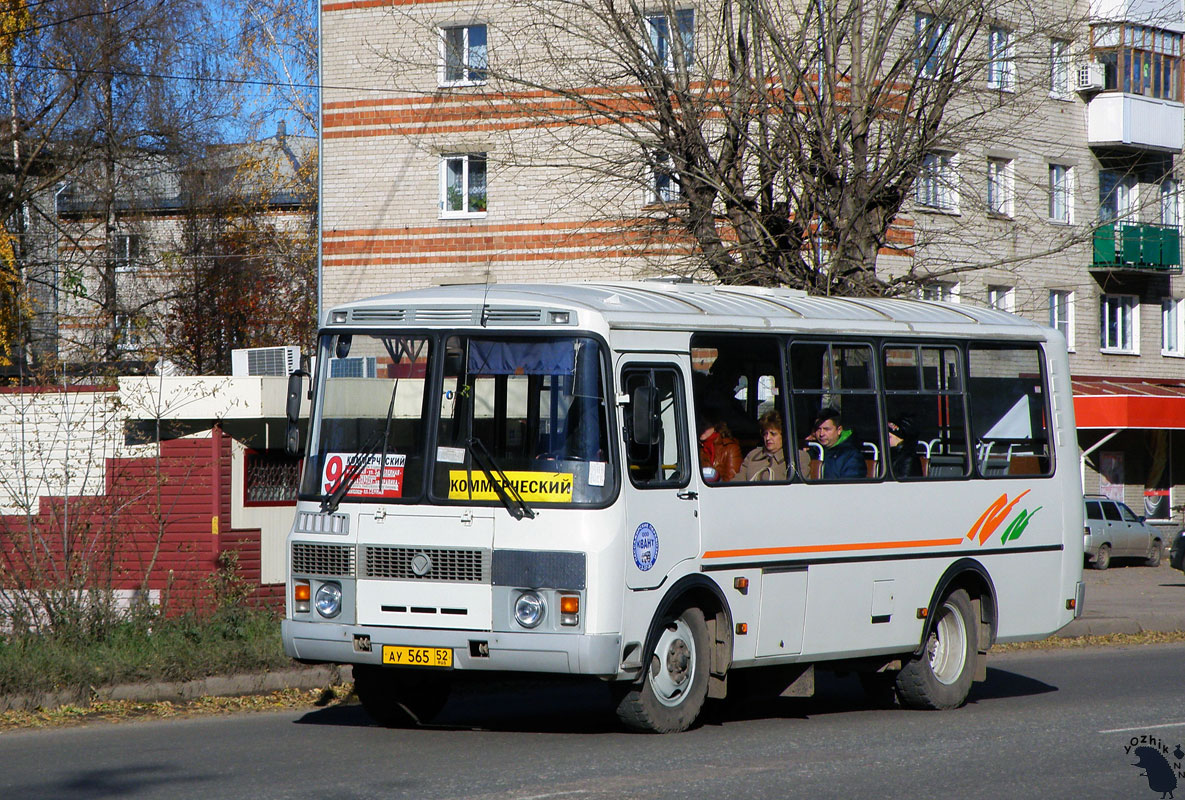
pixel 433 172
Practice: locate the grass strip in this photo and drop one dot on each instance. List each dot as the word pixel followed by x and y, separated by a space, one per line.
pixel 147 649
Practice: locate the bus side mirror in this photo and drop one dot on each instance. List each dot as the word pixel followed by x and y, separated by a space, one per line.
pixel 292 412
pixel 645 427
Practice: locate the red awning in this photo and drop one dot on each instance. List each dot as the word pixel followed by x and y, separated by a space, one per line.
pixel 1129 403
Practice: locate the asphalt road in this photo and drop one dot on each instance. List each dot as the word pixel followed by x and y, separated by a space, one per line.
pixel 1045 724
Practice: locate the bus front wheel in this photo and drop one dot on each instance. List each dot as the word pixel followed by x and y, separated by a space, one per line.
pixel 941 676
pixel 672 691
pixel 400 698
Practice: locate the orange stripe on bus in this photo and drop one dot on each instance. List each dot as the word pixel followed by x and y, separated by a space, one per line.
pixel 826 548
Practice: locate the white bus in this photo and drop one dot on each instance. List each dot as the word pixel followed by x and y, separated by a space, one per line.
pixel 540 478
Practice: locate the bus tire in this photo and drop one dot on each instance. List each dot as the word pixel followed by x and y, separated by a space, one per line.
pixel 672 690
pixel 941 676
pixel 400 698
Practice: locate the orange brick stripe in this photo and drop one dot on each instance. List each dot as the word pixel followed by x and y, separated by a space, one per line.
pixel 350 5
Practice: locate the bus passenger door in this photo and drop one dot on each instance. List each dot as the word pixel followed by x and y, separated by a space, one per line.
pixel 662 504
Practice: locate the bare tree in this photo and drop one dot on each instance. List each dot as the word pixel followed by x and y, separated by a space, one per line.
pixel 777 143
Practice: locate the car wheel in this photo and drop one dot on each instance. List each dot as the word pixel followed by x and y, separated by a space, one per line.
pixel 675 684
pixel 1153 559
pixel 941 676
pixel 1102 559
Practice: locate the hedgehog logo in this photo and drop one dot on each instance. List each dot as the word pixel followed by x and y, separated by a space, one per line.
pixel 1157 770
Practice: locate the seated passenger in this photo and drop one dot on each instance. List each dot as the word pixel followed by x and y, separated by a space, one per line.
pixel 842 457
pixel 768 462
pixel 903 448
pixel 718 450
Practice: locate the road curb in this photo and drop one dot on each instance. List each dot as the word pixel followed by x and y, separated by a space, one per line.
pixel 213 686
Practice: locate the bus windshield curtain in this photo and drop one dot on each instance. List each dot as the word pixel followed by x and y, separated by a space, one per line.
pixel 521 358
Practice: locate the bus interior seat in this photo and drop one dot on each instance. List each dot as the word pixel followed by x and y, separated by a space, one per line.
pixel 947 465
pixel 1025 465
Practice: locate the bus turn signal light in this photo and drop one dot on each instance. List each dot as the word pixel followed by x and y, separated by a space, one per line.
pixel 923 613
pixel 301 595
pixel 1071 604
pixel 569 609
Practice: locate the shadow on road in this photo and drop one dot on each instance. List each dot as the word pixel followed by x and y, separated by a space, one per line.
pixel 1001 683
pixel 584 707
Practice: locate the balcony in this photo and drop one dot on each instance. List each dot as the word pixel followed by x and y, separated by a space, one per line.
pixel 1132 120
pixel 1138 248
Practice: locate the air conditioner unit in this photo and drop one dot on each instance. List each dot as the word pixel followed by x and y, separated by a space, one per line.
pixel 356 367
pixel 257 361
pixel 1088 77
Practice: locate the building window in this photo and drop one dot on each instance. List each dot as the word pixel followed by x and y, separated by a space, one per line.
pixel 1172 336
pixel 665 186
pixel 1170 202
pixel 125 251
pixel 1061 192
pixel 463 57
pixel 665 49
pixel 1119 323
pixel 127 333
pixel 1059 67
pixel 999 186
pixel 1061 314
pixel 1001 61
pixel 932 38
pixel 1117 195
pixel 940 291
pixel 936 182
pixel 1138 59
pixel 463 185
pixel 1002 298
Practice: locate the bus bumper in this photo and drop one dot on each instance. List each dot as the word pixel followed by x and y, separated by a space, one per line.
pixel 558 653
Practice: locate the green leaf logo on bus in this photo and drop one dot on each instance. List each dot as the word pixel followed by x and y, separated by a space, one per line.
pixel 995 515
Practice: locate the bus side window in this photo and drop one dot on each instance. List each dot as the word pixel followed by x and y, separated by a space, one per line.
pixel 662 461
pixel 836 378
pixel 925 416
pixel 1007 390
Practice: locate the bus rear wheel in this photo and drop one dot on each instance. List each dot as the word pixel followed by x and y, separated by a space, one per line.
pixel 400 698
pixel 672 691
pixel 941 676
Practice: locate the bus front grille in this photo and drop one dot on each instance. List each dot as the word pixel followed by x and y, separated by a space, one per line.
pixel 335 560
pixel 425 563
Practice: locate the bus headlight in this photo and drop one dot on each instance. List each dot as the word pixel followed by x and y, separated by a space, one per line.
pixel 529 609
pixel 328 599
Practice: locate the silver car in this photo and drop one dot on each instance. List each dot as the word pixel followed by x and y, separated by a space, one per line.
pixel 1114 531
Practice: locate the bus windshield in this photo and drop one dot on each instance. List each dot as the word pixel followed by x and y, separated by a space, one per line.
pixel 536 406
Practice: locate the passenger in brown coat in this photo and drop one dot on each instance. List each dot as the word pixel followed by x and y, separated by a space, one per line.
pixel 768 462
pixel 719 450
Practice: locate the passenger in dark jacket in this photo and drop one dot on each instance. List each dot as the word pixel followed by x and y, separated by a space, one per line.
pixel 842 456
pixel 903 448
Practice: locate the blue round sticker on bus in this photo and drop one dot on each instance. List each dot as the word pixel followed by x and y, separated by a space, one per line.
pixel 645 546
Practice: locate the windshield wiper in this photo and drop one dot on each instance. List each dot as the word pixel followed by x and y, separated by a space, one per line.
pixel 515 505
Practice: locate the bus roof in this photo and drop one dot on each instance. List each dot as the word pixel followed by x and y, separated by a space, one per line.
pixel 666 305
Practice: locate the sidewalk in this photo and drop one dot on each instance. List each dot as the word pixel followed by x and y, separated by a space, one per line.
pixel 1131 599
